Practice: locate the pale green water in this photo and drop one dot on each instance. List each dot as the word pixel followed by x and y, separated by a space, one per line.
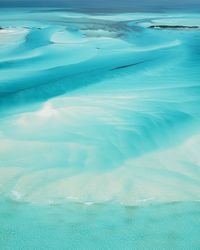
pixel 170 226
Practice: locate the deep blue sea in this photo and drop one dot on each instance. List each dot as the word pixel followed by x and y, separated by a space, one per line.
pixel 99 129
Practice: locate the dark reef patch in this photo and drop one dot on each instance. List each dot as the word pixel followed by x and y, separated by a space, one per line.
pixel 127 66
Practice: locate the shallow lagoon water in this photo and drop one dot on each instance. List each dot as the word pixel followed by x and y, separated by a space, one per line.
pixel 99 130
pixel 169 226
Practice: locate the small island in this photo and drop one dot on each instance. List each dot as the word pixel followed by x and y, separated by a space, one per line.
pixel 173 27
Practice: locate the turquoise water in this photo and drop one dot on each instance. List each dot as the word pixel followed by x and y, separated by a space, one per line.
pixel 169 226
pixel 99 130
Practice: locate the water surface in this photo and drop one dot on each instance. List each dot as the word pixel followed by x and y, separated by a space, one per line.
pixel 99 130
